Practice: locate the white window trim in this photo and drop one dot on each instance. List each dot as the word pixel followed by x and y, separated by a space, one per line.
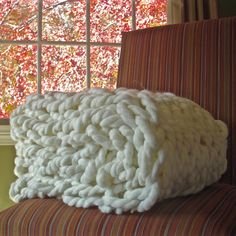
pixel 5 138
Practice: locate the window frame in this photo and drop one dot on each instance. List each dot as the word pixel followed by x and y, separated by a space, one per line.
pixel 39 42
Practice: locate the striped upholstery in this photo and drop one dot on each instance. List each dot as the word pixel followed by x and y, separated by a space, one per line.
pixel 179 216
pixel 194 60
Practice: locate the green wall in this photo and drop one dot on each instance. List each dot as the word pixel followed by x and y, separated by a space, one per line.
pixel 7 155
pixel 227 8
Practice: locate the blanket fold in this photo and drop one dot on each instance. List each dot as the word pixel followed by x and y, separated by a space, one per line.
pixel 121 151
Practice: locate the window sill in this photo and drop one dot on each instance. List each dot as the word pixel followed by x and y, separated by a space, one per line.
pixel 5 138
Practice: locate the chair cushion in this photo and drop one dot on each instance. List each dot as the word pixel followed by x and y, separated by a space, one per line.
pixel 210 212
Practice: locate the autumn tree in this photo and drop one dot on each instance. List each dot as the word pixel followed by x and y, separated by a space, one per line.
pixel 63 67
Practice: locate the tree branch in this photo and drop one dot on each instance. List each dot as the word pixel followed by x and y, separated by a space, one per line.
pixel 21 27
pixel 9 11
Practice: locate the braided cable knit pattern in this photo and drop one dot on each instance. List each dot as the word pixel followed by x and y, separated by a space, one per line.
pixel 121 151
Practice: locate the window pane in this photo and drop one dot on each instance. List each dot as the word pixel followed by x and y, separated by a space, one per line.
pixel 104 66
pixel 17 76
pixel 64 20
pixel 18 19
pixel 150 13
pixel 108 19
pixel 63 68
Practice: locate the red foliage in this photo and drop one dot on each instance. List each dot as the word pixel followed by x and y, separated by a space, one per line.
pixel 64 67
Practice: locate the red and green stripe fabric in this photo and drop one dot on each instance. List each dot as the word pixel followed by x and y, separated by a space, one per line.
pixel 210 212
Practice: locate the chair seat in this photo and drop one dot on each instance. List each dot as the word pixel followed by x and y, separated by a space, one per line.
pixel 210 212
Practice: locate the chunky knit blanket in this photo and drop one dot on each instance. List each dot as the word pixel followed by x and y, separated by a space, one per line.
pixel 121 151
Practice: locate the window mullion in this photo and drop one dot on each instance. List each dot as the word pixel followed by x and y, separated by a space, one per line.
pixel 133 15
pixel 88 74
pixel 39 48
pixel 18 42
pixel 70 43
pixel 105 44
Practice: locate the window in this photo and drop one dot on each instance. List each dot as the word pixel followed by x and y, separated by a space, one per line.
pixel 65 45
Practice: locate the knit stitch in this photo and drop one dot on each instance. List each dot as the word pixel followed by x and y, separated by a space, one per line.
pixel 121 151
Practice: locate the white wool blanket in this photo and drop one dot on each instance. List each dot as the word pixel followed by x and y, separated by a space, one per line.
pixel 121 151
